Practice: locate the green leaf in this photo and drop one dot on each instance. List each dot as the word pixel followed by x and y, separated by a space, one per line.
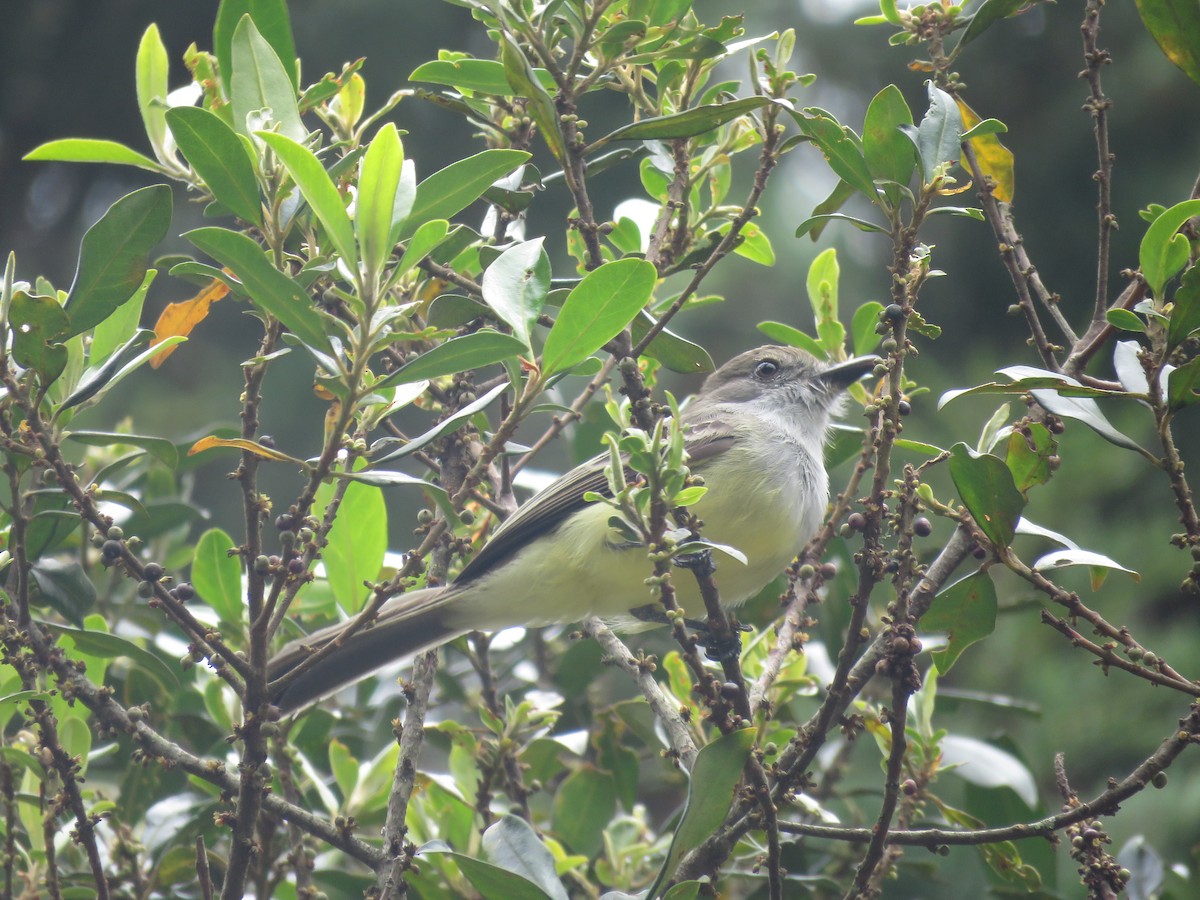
pixel 1087 411
pixel 441 429
pixel 989 13
pixel 712 781
pixel 493 882
pixel 270 18
pixel 1185 309
pixel 460 184
pixel 109 646
pixel 515 286
pixel 822 286
pixel 816 224
pixel 939 136
pixel 676 353
pixel 691 122
pixel 862 327
pixel 753 243
pixel 793 337
pixel 1028 457
pixel 1182 384
pixel 471 351
pixel 583 805
pixel 344 767
pixel 63 586
pixel 889 154
pixel 122 325
pixel 90 150
pixel 511 843
pixel 982 764
pixel 840 148
pixel 484 76
pixel 270 289
pixel 984 128
pixel 986 487
pixel 219 158
pixel 659 12
pixel 112 257
pixel 95 383
pixel 424 241
pixel 1073 556
pixel 217 576
pixel 260 81
pixel 540 107
pixel 356 545
pixel 596 311
pixel 320 192
pixel 1175 27
pixel 837 198
pixel 378 185
pixel 966 612
pixel 38 325
pixel 160 448
pixel 152 88
pixel 1163 252
pixel 1125 320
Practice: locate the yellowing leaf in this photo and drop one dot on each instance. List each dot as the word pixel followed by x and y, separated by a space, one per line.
pixel 995 160
pixel 254 447
pixel 181 318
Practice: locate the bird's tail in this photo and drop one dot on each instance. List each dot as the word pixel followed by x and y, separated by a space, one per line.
pixel 415 622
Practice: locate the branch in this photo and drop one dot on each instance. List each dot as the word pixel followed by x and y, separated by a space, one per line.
pixel 397 854
pixel 641 669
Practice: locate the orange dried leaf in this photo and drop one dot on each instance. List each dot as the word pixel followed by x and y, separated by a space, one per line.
pixel 180 318
pixel 254 447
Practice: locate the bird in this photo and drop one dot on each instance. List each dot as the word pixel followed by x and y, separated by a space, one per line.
pixel 755 432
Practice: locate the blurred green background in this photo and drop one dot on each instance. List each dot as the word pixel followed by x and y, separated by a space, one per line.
pixel 67 70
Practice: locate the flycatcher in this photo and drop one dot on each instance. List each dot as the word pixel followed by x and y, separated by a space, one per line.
pixel 755 432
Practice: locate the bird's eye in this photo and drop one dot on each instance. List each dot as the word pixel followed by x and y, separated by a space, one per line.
pixel 765 369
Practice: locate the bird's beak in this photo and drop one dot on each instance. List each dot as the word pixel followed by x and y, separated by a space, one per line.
pixel 844 374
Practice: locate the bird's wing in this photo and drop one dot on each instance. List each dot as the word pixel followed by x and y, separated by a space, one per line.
pixel 705 438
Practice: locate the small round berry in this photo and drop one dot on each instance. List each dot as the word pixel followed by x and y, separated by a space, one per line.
pixel 828 571
pixel 184 591
pixel 904 407
pixel 922 527
pixel 295 565
pixel 893 312
pixel 284 522
pixel 806 571
pixel 467 516
pixel 267 441
pixel 111 550
pixel 262 565
pixel 1159 780
pixel 152 571
pixel 857 521
pixel 979 553
pixel 425 516
pixel 909 787
pixel 145 590
pixel 115 533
